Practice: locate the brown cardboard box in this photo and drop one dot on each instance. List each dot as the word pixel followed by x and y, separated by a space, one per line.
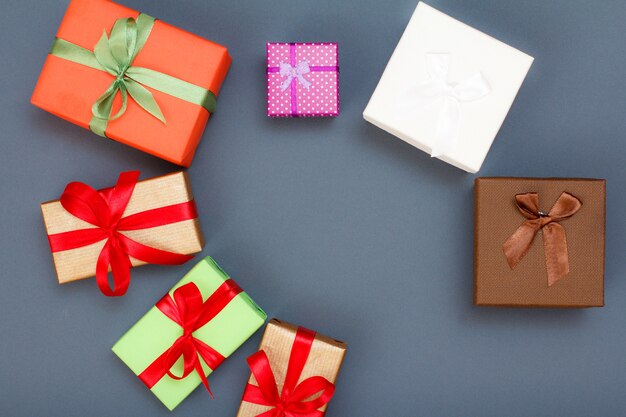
pixel 497 217
pixel 183 237
pixel 324 360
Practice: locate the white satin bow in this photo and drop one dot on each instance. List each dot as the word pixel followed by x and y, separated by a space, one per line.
pixel 301 68
pixel 448 96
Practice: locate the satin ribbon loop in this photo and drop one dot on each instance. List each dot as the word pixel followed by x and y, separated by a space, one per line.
pixel 187 309
pixel 296 400
pixel 292 73
pixel 554 240
pixel 448 96
pixel 104 210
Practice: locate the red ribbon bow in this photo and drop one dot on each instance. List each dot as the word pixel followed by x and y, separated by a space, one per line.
pixel 291 403
pixel 187 309
pixel 104 209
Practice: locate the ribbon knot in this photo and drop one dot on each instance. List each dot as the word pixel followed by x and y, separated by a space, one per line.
pixel 544 220
pixel 187 309
pixel 104 210
pixel 448 96
pixel 297 399
pixel 292 73
pixel 554 240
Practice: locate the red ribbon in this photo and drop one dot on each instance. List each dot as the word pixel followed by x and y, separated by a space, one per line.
pixel 104 209
pixel 188 310
pixel 291 403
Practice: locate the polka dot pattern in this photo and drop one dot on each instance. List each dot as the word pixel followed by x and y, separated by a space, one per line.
pixel 321 98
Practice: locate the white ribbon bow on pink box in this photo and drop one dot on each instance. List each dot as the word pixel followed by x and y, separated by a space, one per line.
pixel 291 72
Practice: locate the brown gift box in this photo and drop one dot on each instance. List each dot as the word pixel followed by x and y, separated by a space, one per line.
pixel 183 237
pixel 324 360
pixel 497 217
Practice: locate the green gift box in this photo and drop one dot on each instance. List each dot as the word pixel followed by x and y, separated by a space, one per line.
pixel 204 318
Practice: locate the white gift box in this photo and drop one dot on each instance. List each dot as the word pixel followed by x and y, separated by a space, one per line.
pixel 447 88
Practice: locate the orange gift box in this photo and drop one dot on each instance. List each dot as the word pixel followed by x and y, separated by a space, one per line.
pixel 69 89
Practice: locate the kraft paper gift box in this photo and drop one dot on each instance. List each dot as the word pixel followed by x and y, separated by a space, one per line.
pixel 232 318
pixel 302 79
pixel 182 72
pixel 176 228
pixel 447 88
pixel 315 356
pixel 539 242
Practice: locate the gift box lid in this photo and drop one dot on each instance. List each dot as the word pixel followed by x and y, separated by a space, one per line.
pixel 498 217
pixel 302 79
pixel 447 88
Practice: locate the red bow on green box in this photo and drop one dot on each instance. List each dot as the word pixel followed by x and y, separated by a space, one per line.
pixel 187 309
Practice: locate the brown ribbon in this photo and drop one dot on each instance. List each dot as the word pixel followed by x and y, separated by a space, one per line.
pixel 554 242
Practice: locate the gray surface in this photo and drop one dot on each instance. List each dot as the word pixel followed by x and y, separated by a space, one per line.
pixel 329 223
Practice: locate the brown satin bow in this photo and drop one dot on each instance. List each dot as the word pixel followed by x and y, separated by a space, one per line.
pixel 554 242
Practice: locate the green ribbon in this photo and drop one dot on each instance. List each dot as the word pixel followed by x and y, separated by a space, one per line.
pixel 115 54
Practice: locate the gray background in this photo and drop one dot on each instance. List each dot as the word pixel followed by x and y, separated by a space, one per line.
pixel 329 223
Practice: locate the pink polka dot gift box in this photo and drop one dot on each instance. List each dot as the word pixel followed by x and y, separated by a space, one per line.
pixel 302 79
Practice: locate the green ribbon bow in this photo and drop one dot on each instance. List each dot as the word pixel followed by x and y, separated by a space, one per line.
pixel 115 54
